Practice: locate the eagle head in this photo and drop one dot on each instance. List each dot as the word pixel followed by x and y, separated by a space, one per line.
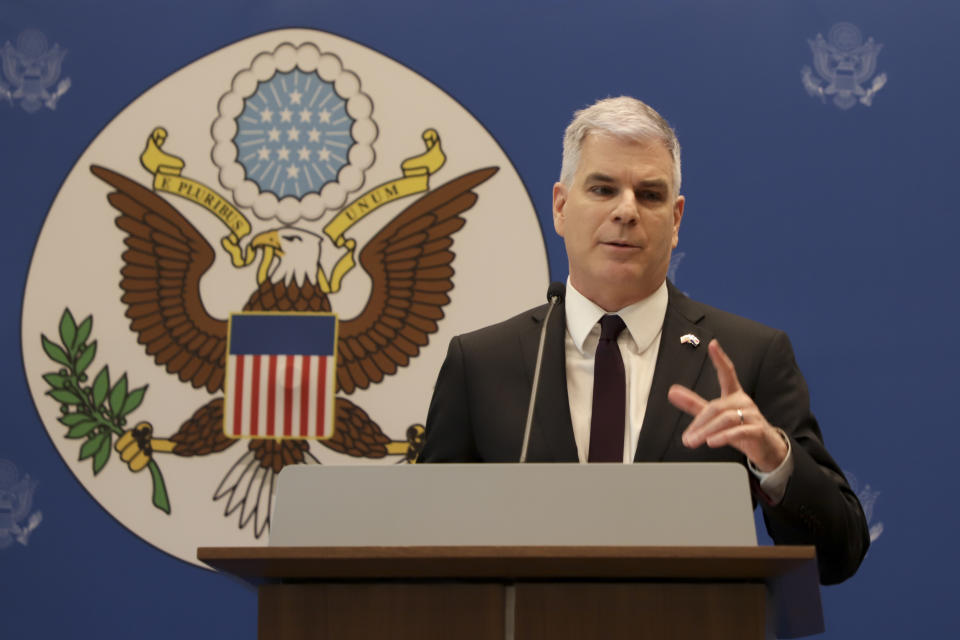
pixel 289 254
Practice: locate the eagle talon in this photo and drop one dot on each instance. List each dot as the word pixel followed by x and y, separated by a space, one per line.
pixel 415 439
pixel 137 445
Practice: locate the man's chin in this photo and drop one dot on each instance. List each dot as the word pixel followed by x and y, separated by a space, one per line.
pixel 618 287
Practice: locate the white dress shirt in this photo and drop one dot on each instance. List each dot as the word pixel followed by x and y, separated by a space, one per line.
pixel 639 345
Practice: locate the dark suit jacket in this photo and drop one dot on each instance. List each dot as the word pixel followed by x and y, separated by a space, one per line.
pixel 479 408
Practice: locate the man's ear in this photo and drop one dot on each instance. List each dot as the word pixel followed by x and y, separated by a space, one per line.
pixel 677 217
pixel 559 201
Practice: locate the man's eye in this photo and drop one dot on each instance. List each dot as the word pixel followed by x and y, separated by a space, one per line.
pixel 601 190
pixel 650 196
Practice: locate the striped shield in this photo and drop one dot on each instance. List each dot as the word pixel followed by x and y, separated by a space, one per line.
pixel 281 375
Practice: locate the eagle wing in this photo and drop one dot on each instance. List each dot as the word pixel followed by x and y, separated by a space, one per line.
pixel 409 263
pixel 164 261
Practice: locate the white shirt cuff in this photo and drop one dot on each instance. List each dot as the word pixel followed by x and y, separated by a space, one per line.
pixel 774 483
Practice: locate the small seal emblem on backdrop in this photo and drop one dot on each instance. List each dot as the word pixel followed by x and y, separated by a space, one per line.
pixel 31 68
pixel 16 500
pixel 844 64
pixel 868 498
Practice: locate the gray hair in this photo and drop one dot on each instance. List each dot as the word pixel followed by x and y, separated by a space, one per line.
pixel 624 117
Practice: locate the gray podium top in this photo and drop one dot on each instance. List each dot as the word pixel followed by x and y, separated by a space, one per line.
pixel 657 504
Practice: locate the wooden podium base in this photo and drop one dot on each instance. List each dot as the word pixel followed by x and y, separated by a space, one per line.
pixel 524 593
pixel 644 610
pixel 554 611
pixel 381 610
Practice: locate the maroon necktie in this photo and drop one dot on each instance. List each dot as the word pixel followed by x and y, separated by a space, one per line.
pixel 609 395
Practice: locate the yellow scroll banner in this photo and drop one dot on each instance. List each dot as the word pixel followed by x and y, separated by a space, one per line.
pixel 206 198
pixel 416 173
pixel 166 170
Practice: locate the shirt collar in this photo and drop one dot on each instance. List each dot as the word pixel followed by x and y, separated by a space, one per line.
pixel 644 319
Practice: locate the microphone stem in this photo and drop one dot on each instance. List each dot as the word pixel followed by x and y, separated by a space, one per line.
pixel 536 380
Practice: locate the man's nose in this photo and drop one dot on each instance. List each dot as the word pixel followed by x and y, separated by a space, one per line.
pixel 626 209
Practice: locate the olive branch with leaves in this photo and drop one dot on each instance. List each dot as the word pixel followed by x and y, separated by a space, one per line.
pixel 95 411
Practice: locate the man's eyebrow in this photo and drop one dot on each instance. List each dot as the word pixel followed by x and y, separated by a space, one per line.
pixel 653 183
pixel 598 177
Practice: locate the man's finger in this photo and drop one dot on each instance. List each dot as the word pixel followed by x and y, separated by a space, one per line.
pixel 728 437
pixel 686 400
pixel 702 410
pixel 726 373
pixel 704 426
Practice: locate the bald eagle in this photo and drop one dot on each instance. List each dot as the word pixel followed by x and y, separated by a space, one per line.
pixel 408 261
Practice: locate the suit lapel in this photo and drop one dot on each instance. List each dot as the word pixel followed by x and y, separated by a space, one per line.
pixel 551 436
pixel 676 364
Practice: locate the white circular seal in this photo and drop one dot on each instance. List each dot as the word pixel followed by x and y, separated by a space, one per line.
pixel 291 172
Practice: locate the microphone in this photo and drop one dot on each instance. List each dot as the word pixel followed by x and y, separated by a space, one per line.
pixel 555 296
pixel 555 292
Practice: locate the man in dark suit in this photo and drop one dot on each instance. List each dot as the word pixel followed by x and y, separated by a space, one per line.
pixel 632 369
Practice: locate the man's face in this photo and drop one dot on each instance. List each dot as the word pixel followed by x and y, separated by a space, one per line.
pixel 619 219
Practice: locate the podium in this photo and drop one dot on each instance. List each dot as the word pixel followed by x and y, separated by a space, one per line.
pixel 526 593
pixel 357 584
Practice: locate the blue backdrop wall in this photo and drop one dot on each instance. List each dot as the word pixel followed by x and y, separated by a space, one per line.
pixel 834 222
